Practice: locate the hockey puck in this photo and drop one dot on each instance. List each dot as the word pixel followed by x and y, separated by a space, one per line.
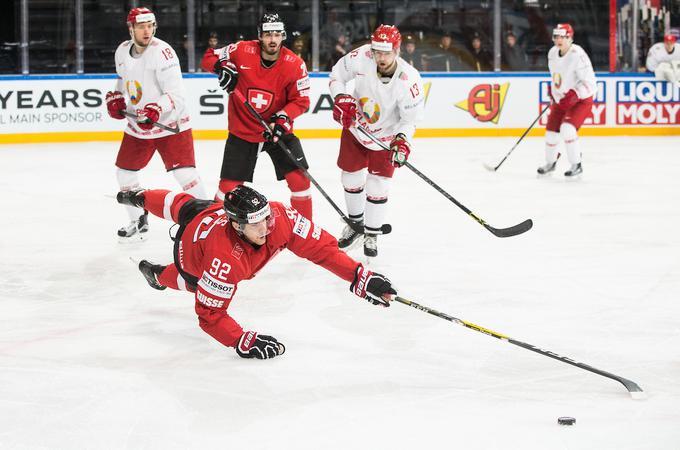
pixel 566 420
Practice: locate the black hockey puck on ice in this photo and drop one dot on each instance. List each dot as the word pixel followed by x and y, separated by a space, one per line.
pixel 566 420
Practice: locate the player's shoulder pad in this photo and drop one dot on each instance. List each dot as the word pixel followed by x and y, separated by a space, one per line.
pixel 288 57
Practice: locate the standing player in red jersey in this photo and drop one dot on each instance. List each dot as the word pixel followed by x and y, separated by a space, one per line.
pixel 220 244
pixel 275 82
pixel 150 85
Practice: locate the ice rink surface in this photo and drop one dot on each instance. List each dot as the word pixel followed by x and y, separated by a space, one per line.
pixel 92 358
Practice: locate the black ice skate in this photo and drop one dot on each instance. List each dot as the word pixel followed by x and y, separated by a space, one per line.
pixel 134 197
pixel 349 236
pixel 135 230
pixel 546 169
pixel 371 245
pixel 151 272
pixel 574 171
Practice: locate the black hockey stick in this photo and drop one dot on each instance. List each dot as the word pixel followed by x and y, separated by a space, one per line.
pixel 155 124
pixel 385 229
pixel 493 169
pixel 499 232
pixel 635 391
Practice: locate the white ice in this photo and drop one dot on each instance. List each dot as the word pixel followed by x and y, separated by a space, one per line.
pixel 92 358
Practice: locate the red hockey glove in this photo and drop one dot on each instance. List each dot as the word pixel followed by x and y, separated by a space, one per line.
pixel 259 346
pixel 115 103
pixel 345 110
pixel 280 125
pixel 374 287
pixel 569 100
pixel 227 75
pixel 400 149
pixel 148 115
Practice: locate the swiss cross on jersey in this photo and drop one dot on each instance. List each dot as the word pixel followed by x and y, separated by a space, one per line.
pixel 260 100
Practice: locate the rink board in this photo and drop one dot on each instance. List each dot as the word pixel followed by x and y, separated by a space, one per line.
pixel 69 108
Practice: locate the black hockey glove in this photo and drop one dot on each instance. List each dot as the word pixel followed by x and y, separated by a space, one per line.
pixel 280 125
pixel 259 346
pixel 227 75
pixel 134 197
pixel 374 287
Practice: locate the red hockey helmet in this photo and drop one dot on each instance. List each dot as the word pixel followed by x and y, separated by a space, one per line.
pixel 386 38
pixel 564 30
pixel 669 39
pixel 140 15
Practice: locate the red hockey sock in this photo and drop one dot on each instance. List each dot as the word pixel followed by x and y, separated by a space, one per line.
pixel 301 195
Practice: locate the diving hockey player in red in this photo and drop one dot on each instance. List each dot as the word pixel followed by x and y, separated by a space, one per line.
pixel 220 244
pixel 150 86
pixel 572 89
pixel 275 82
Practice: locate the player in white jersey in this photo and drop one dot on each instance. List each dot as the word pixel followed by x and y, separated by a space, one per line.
pixel 663 59
pixel 572 89
pixel 388 100
pixel 150 86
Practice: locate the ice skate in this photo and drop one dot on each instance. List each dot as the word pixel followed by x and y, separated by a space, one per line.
pixel 574 171
pixel 350 238
pixel 547 168
pixel 151 272
pixel 371 245
pixel 135 230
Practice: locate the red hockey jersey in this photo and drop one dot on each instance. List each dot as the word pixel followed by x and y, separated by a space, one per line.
pixel 211 250
pixel 282 86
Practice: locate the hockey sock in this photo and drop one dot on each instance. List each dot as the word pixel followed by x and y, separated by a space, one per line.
pixel 224 187
pixel 127 181
pixel 300 192
pixel 570 136
pixel 551 140
pixel 190 181
pixel 377 188
pixel 353 182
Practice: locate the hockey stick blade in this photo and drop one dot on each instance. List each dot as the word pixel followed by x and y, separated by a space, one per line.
pixel 511 231
pixel 490 168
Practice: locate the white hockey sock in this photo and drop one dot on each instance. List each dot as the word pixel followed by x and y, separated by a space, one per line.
pixel 355 198
pixel 190 181
pixel 127 181
pixel 570 136
pixel 551 140
pixel 377 188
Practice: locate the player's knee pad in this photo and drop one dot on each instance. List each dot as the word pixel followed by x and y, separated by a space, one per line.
pixel 187 177
pixel 377 188
pixel 298 183
pixel 127 179
pixel 353 181
pixel 568 132
pixel 552 138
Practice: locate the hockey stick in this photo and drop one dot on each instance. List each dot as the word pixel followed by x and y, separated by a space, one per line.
pixel 493 169
pixel 499 232
pixel 635 391
pixel 156 124
pixel 385 229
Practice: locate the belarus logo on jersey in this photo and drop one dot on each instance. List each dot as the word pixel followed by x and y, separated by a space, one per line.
pixel 134 90
pixel 370 109
pixel 557 80
pixel 261 100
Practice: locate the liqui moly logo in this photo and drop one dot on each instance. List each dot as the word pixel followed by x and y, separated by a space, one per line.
pixel 598 112
pixel 647 103
pixel 485 102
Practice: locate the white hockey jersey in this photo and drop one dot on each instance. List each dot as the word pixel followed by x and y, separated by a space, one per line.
pixel 657 54
pixel 386 108
pixel 571 71
pixel 153 77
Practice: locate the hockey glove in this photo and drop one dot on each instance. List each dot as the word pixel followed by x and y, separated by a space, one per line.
pixel 400 149
pixel 148 115
pixel 134 197
pixel 259 346
pixel 345 110
pixel 115 103
pixel 569 100
pixel 280 125
pixel 372 286
pixel 227 75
